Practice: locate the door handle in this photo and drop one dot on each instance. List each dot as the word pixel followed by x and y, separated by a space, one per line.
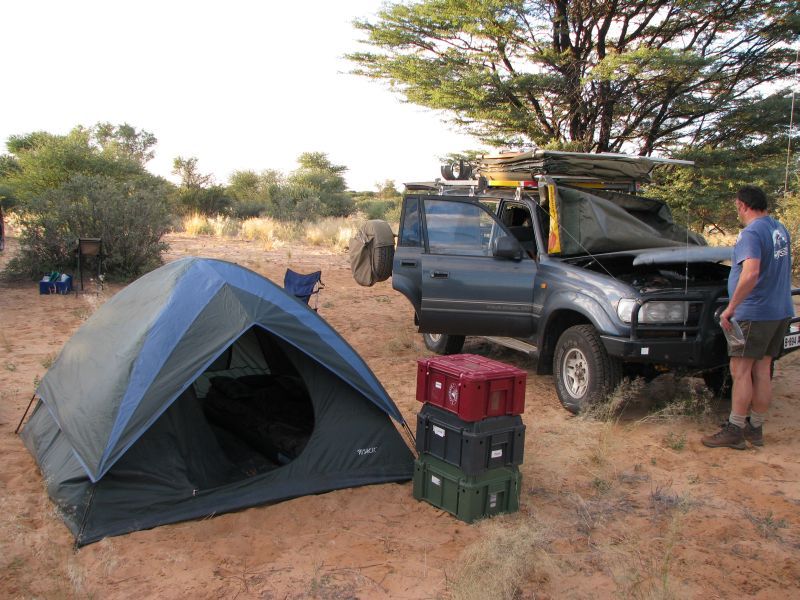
pixel 408 263
pixel 440 274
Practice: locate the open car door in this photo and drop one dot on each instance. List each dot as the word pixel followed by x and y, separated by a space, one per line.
pixel 469 287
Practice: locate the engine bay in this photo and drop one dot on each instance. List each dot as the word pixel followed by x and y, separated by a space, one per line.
pixel 656 277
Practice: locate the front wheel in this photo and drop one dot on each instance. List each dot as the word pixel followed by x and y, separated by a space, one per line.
pixel 442 343
pixel 584 372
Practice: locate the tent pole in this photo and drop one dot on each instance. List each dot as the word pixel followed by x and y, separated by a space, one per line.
pixel 410 435
pixel 85 519
pixel 25 414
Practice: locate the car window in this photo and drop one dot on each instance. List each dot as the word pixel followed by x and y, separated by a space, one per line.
pixel 410 231
pixel 460 228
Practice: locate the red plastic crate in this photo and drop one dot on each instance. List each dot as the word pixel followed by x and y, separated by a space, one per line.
pixel 473 387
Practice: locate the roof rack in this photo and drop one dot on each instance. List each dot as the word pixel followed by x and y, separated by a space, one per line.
pixel 482 184
pixel 589 155
pixel 440 184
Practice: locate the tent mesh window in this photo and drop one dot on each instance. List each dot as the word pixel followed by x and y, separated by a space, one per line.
pixel 256 403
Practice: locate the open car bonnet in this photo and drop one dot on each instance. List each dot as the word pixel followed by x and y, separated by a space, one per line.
pixel 683 254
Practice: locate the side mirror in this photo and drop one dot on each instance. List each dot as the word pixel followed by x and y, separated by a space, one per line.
pixel 506 247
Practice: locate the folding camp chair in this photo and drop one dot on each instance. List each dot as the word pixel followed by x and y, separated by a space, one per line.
pixel 303 286
pixel 90 248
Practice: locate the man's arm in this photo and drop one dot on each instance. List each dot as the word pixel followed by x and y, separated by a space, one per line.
pixel 747 281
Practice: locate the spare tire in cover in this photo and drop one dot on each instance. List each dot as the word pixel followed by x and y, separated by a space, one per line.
pixel 372 253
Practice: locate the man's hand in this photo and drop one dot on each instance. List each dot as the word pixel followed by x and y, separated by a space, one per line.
pixel 725 318
pixel 747 281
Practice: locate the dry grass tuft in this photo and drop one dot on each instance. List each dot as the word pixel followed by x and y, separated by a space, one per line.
pixel 48 360
pixel 675 441
pixel 664 500
pixel 627 393
pixel 225 226
pixel 666 397
pixel 682 397
pixel 197 224
pixel 268 232
pixel 643 575
pixel 334 232
pixel 767 525
pixel 510 554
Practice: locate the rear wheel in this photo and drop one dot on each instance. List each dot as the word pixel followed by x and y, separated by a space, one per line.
pixel 441 343
pixel 584 372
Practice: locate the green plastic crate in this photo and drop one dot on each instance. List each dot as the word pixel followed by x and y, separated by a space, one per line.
pixel 467 497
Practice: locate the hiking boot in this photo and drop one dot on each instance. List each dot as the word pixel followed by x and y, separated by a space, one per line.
pixel 754 435
pixel 729 436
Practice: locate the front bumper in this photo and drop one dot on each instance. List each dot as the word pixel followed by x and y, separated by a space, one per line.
pixel 696 347
pixel 691 353
pixel 695 353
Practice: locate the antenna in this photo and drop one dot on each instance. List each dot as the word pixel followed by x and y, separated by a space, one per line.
pixel 686 269
pixel 791 127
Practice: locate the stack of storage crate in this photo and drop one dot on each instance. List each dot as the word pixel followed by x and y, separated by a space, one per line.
pixel 470 435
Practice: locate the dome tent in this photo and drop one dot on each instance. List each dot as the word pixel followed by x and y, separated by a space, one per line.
pixel 202 388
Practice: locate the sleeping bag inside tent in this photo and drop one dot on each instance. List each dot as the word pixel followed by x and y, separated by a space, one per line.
pixel 203 388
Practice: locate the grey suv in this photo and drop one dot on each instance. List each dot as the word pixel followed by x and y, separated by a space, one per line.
pixel 585 276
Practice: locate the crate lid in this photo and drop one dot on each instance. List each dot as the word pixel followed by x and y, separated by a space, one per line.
pixel 471 364
pixel 494 424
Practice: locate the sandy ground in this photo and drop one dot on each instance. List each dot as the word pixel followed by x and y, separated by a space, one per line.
pixel 636 508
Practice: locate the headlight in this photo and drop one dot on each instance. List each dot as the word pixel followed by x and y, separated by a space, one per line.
pixel 653 312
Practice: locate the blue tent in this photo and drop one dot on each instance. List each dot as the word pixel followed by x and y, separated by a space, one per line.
pixel 201 388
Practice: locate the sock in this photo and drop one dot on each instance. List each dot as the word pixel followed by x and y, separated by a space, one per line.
pixel 757 419
pixel 738 420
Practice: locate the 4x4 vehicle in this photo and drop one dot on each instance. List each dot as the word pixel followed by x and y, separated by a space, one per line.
pixel 554 254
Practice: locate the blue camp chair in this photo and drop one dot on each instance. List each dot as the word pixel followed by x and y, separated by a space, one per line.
pixel 303 286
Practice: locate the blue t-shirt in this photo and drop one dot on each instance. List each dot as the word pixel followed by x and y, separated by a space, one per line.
pixel 768 241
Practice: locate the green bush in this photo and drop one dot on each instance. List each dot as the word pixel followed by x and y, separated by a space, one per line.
pixel 377 209
pixel 130 216
pixel 211 200
pixel 250 208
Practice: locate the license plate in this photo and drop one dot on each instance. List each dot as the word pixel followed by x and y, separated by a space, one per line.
pixel 791 341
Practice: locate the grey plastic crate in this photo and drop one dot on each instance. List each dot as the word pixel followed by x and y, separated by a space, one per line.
pixel 473 447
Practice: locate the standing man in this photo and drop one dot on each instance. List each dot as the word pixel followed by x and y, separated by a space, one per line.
pixel 759 288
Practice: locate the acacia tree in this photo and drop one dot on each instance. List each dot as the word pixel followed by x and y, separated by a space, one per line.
pixel 43 161
pixel 126 141
pixel 255 194
pixel 197 191
pixel 589 75
pixel 316 189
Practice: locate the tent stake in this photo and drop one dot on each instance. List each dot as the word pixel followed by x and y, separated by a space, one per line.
pixel 25 414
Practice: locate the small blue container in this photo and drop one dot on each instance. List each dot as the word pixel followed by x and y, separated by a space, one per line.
pixel 46 286
pixel 56 283
pixel 64 284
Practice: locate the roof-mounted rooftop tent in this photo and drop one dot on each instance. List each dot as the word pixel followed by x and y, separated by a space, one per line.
pixel 603 167
pixel 610 171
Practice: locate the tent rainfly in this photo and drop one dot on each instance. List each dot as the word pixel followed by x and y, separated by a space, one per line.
pixel 203 388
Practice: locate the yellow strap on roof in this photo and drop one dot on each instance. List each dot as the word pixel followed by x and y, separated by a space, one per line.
pixel 510 183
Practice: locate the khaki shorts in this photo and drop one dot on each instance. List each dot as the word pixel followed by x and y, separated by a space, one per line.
pixel 761 338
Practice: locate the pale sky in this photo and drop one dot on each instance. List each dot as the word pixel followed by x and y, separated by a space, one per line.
pixel 238 84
